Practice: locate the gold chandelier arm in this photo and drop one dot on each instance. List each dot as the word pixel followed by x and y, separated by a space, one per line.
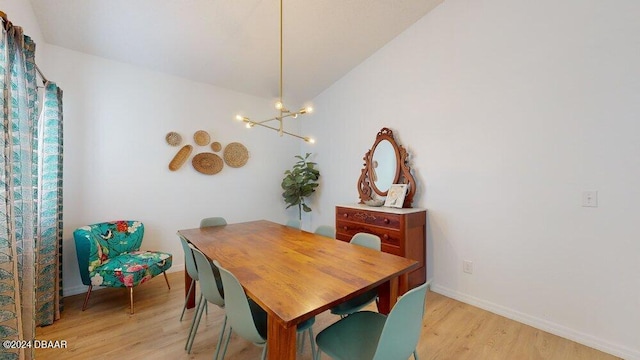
pixel 307 139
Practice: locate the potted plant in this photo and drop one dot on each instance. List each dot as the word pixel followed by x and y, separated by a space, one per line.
pixel 300 182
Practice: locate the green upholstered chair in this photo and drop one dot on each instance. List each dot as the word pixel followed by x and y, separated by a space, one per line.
pixel 247 318
pixel 212 291
pixel 294 223
pixel 359 302
pixel 326 230
pixel 109 255
pixel 213 221
pixel 369 335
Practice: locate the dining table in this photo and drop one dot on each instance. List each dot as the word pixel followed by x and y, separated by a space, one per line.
pixel 295 275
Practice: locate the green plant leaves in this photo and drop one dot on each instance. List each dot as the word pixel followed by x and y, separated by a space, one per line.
pixel 300 182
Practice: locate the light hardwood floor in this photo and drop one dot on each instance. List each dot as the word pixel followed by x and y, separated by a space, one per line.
pixel 451 330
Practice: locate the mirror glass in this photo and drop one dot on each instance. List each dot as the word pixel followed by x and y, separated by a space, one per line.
pixel 384 166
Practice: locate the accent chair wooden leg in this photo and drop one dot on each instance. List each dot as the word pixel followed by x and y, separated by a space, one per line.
pixel 166 279
pixel 131 298
pixel 86 298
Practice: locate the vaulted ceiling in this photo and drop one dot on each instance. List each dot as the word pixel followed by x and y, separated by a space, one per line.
pixel 233 43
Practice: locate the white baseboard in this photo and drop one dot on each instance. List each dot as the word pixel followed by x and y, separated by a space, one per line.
pixel 545 325
pixel 81 289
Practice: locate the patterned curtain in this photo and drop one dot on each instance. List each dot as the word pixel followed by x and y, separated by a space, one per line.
pixel 49 239
pixel 30 195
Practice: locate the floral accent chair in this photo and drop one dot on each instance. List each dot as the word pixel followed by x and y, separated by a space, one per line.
pixel 109 255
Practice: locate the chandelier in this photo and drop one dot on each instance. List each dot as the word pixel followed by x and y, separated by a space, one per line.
pixel 283 111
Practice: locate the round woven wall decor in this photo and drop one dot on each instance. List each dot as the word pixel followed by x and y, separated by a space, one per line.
pixel 235 155
pixel 207 163
pixel 201 138
pixel 215 146
pixel 173 138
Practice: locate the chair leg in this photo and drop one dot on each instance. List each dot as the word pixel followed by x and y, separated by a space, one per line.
pixel 415 354
pixel 196 324
pixel 187 298
pixel 264 352
pixel 131 298
pixel 226 343
pixel 221 338
pixel 86 298
pixel 312 343
pixel 300 342
pixel 166 279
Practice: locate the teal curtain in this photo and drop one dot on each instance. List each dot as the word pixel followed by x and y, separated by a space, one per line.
pixel 30 195
pixel 49 239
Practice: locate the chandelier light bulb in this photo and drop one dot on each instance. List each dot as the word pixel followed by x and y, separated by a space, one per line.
pixel 239 117
pixel 308 109
pixel 309 140
pixel 249 125
pixel 279 105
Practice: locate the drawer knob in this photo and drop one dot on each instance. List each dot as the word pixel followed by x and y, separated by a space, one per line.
pixel 385 236
pixel 386 221
pixel 345 215
pixel 345 227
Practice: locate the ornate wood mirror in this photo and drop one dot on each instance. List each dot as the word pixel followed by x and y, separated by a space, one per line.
pixel 385 163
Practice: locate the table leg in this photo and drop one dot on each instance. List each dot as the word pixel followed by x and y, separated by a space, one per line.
pixel 387 296
pixel 191 301
pixel 281 341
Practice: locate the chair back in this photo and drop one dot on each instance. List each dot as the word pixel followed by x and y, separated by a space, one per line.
pixel 212 221
pixel 210 285
pixel 367 240
pixel 294 223
pixel 238 309
pixel 326 230
pixel 97 243
pixel 189 260
pixel 401 330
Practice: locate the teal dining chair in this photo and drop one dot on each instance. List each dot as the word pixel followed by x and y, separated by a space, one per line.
pixel 192 270
pixel 326 230
pixel 294 223
pixel 212 291
pixel 359 302
pixel 368 335
pixel 247 319
pixel 213 221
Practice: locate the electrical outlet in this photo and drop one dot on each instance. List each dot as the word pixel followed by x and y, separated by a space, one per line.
pixel 467 266
pixel 590 199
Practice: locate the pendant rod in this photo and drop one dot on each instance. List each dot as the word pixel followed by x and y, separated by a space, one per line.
pixel 281 46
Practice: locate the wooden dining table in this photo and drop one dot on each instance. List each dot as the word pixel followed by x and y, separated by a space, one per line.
pixel 295 275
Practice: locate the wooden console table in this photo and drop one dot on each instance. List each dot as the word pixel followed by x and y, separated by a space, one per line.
pixel 402 231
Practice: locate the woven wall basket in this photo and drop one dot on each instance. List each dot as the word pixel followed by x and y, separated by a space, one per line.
pixel 201 138
pixel 173 138
pixel 207 163
pixel 180 157
pixel 215 146
pixel 235 155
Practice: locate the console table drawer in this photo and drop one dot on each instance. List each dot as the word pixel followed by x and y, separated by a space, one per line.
pixel 387 236
pixel 381 219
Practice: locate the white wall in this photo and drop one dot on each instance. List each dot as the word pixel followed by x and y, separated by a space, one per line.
pixel 116 160
pixel 511 109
